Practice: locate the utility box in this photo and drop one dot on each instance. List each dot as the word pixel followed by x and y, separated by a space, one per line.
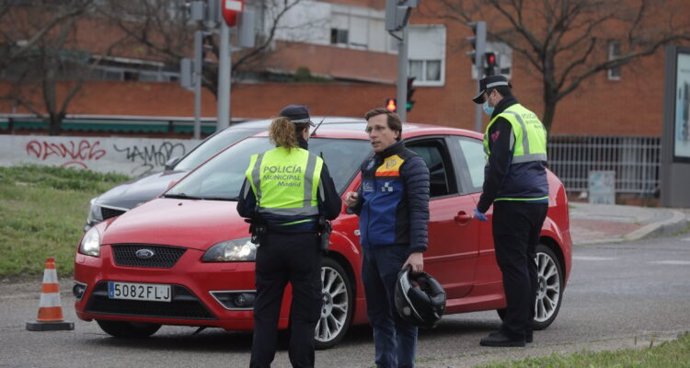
pixel 602 187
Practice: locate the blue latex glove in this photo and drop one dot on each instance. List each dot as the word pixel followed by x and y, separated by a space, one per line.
pixel 479 216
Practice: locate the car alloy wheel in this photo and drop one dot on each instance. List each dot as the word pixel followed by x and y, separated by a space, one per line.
pixel 336 311
pixel 549 287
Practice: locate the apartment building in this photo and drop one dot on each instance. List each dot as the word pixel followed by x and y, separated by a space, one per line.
pixel 351 66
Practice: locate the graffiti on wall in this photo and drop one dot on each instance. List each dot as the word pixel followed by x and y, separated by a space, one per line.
pixel 76 153
pixel 148 157
pixel 136 157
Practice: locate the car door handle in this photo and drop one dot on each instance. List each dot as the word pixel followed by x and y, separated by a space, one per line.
pixel 463 218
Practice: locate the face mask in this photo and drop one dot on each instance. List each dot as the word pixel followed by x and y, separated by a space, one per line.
pixel 488 110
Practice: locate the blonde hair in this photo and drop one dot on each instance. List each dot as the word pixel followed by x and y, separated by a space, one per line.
pixel 283 132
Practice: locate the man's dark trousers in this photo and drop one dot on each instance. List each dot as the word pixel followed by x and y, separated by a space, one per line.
pixel 516 228
pixel 281 258
pixel 394 339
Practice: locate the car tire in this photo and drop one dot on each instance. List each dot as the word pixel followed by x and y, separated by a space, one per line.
pixel 128 330
pixel 337 308
pixel 549 288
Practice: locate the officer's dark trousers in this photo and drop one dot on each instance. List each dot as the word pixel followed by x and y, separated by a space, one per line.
pixel 283 258
pixel 516 227
pixel 395 340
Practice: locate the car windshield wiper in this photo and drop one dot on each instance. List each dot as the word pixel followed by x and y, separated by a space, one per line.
pixel 218 198
pixel 179 196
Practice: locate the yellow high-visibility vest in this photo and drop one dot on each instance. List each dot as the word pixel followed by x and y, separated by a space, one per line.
pixel 285 182
pixel 529 134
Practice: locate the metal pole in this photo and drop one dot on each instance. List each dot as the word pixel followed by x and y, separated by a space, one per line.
pixel 478 118
pixel 480 49
pixel 402 75
pixel 224 74
pixel 198 39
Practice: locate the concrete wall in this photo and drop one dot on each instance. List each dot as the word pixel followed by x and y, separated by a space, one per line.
pixel 129 156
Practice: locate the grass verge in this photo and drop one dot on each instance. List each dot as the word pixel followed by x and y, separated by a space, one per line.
pixel 42 214
pixel 669 354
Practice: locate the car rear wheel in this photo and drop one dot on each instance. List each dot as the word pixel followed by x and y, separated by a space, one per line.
pixel 549 288
pixel 128 330
pixel 336 311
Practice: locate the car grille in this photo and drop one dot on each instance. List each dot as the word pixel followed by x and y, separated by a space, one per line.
pixel 184 304
pixel 163 257
pixel 110 212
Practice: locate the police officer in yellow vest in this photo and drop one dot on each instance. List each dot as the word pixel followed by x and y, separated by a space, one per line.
pixel 287 193
pixel 515 183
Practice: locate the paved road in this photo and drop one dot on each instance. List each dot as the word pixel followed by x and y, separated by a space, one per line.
pixel 620 295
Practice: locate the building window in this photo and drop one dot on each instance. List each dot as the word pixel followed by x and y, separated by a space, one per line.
pixel 427 54
pixel 614 53
pixel 425 70
pixel 339 36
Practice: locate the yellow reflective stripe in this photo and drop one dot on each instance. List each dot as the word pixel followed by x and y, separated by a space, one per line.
pixel 521 199
pixel 256 174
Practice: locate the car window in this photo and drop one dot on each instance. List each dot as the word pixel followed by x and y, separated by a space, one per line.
pixel 473 160
pixel 434 153
pixel 222 177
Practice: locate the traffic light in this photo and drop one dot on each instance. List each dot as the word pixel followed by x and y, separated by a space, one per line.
pixel 391 105
pixel 410 92
pixel 478 42
pixel 490 63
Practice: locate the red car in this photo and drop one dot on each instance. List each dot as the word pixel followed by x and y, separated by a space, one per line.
pixel 185 257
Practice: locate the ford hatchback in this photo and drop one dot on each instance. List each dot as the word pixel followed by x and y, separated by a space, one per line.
pixel 185 258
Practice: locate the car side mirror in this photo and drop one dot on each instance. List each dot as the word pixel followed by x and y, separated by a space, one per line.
pixel 170 164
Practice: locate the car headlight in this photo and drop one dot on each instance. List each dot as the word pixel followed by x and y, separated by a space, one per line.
pixel 95 216
pixel 91 243
pixel 238 250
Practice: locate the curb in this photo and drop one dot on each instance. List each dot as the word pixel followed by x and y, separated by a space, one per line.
pixel 676 223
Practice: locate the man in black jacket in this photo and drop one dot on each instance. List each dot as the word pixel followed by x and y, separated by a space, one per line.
pixel 393 207
pixel 515 183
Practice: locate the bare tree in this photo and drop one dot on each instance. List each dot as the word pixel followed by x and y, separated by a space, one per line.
pixel 163 28
pixel 566 41
pixel 39 48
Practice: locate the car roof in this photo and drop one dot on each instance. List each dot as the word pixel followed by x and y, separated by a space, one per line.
pixel 355 129
pixel 264 123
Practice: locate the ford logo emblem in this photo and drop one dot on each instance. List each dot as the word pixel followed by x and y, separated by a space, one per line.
pixel 144 253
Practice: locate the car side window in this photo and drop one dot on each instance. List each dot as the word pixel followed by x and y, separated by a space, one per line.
pixel 435 154
pixel 472 160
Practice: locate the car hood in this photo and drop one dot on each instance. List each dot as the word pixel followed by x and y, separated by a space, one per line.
pixel 197 224
pixel 138 191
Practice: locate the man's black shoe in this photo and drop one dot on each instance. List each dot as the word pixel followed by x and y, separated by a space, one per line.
pixel 498 339
pixel 529 338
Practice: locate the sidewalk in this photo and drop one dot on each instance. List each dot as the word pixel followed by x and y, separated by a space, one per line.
pixel 602 223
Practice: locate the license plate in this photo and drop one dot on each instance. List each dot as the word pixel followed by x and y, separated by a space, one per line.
pixel 135 291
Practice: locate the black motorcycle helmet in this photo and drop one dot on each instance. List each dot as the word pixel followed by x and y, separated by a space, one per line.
pixel 419 298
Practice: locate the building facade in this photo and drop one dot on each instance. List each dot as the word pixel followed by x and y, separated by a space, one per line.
pixel 352 64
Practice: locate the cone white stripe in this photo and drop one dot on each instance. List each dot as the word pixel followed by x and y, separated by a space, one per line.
pixel 49 300
pixel 49 276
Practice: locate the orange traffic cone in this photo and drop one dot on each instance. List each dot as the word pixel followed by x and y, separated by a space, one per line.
pixel 49 308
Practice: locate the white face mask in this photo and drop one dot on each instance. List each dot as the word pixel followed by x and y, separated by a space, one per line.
pixel 488 110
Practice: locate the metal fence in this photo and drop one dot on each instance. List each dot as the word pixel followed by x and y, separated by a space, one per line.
pixel 635 160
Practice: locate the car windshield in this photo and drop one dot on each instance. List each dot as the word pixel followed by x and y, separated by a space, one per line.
pixel 215 144
pixel 221 178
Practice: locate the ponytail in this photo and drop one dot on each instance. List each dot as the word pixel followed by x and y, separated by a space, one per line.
pixel 282 133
